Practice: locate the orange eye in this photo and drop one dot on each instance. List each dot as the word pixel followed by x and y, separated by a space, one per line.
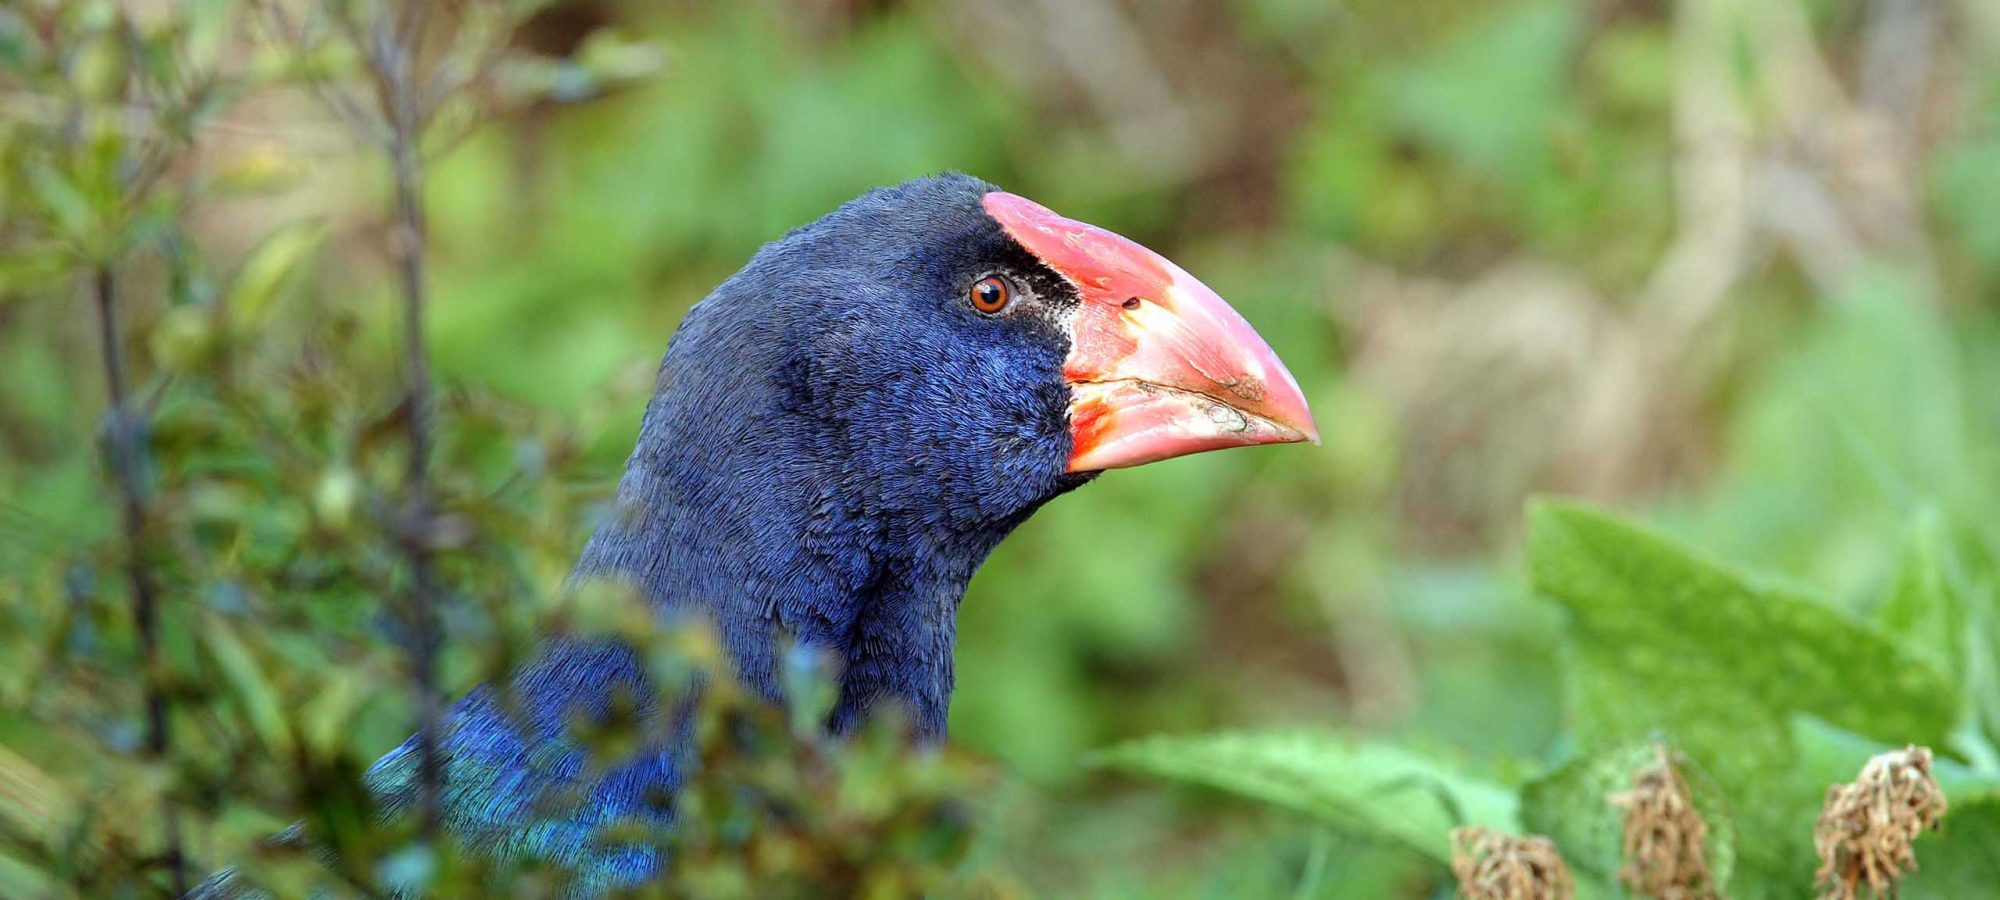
pixel 991 294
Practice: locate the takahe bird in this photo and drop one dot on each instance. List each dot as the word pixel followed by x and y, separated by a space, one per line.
pixel 840 434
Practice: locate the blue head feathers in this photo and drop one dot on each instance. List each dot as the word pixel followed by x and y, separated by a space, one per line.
pixel 839 437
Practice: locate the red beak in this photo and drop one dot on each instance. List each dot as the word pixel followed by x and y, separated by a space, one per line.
pixel 1159 366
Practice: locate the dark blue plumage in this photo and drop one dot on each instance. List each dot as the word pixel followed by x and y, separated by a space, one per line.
pixel 836 442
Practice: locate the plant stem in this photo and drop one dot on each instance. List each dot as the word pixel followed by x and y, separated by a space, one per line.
pixel 127 471
pixel 400 104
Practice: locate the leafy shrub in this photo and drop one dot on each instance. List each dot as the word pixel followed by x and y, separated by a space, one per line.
pixel 1767 694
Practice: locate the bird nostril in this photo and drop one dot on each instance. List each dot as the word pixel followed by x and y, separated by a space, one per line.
pixel 1132 302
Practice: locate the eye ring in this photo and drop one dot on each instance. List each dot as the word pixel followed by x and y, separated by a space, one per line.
pixel 990 295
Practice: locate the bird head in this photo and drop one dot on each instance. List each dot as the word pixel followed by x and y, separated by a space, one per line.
pixel 960 354
pixel 846 427
pixel 913 375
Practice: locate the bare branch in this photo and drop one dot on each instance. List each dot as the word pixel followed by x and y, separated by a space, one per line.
pixel 389 44
pixel 127 465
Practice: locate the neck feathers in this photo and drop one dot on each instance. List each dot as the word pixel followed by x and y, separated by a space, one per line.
pixel 768 538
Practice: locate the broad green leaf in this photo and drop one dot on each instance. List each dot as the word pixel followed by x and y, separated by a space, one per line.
pixel 1960 860
pixel 1572 805
pixel 1924 610
pixel 1665 643
pixel 1829 755
pixel 1745 747
pixel 1375 789
pixel 1668 610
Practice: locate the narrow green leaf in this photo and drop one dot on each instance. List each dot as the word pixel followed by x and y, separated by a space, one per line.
pixel 19 879
pixel 1374 789
pixel 30 800
pixel 325 721
pixel 66 205
pixel 253 691
pixel 267 271
pixel 614 58
pixel 208 24
pixel 31 267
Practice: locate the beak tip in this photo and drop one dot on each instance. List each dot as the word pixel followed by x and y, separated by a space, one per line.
pixel 1295 414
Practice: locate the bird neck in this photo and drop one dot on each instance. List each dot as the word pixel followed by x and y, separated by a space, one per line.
pixel 769 544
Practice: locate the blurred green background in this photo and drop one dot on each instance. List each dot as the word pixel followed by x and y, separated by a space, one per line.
pixel 1731 265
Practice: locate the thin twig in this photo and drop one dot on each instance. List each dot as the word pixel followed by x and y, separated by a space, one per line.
pixel 127 471
pixel 336 100
pixel 391 57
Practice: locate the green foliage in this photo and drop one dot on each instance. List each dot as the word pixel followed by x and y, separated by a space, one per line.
pixel 1490 97
pixel 1964 860
pixel 1653 613
pixel 779 809
pixel 1377 789
pixel 1663 642
pixel 1572 805
pixel 1754 682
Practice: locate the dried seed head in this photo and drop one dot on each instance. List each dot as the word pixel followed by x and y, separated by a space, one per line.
pixel 1665 843
pixel 1494 866
pixel 1866 829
